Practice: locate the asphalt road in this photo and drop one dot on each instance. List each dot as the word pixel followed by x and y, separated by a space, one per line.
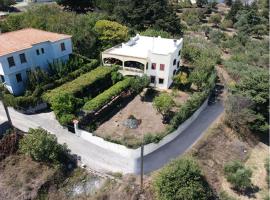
pixel 100 159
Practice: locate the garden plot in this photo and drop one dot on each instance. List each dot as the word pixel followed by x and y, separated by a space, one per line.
pixel 136 119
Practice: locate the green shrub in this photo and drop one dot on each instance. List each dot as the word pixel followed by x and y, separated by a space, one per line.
pixel 64 106
pixel 86 68
pixel 81 83
pixel 181 179
pixel 225 196
pixel 238 175
pixel 155 33
pixel 163 104
pixel 226 24
pixel 139 83
pixel 42 146
pixel 152 138
pixel 188 108
pixel 181 79
pixel 107 95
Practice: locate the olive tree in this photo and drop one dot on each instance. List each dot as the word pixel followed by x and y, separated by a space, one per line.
pixel 42 146
pixel 163 104
pixel 238 175
pixel 181 179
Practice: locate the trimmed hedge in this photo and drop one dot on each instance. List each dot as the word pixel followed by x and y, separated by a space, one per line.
pixel 23 102
pixel 107 95
pixel 188 108
pixel 78 85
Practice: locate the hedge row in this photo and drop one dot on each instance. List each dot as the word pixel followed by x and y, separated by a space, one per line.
pixel 86 68
pixel 107 95
pixel 188 108
pixel 79 84
pixel 84 58
pixel 23 102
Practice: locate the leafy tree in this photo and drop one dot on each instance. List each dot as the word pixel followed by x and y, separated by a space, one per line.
pixel 181 179
pixel 139 83
pixel 155 33
pixel 106 5
pixel 64 106
pixel 201 3
pixel 42 146
pixel 238 175
pixel 110 33
pixel 143 14
pixel 181 79
pixel 247 20
pixel 260 30
pixel 215 19
pixel 192 16
pixel 236 6
pixel 216 36
pixel 228 2
pixel 256 81
pixel 53 18
pixel 5 4
pixel 116 76
pixel 78 5
pixel 163 104
pixel 226 24
pixel 238 113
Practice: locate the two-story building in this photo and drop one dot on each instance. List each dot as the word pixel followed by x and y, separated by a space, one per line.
pixel 27 49
pixel 158 58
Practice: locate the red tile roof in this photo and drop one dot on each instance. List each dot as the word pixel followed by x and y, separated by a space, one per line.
pixel 23 39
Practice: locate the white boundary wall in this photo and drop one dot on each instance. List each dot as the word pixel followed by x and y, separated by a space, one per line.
pixel 149 148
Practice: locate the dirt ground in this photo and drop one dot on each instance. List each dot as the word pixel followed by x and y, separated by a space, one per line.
pixel 151 120
pixel 216 149
pixel 128 188
pixel 256 163
pixel 21 178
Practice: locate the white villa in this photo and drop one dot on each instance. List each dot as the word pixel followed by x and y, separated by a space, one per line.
pixel 158 58
pixel 26 49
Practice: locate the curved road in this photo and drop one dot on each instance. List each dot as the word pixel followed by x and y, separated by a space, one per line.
pixel 99 158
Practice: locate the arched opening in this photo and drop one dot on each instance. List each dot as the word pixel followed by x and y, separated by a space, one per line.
pixel 134 65
pixel 112 61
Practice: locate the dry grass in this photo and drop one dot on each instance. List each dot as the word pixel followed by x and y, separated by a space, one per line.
pixel 255 162
pixel 21 178
pixel 220 146
pixel 129 188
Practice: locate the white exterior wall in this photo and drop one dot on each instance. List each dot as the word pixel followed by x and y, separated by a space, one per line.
pixel 52 51
pixel 166 59
pixel 167 74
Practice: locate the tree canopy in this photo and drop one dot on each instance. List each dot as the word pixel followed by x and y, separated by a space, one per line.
pixel 181 179
pixel 143 14
pixel 78 5
pixel 110 33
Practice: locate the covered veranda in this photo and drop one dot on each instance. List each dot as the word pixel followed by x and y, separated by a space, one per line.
pixel 128 65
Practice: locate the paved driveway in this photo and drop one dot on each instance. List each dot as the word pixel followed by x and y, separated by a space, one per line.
pixel 103 160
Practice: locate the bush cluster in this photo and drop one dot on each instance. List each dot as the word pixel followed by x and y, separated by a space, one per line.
pixel 188 108
pixel 33 95
pixel 181 179
pixel 80 84
pixel 42 146
pixel 107 95
pixel 238 175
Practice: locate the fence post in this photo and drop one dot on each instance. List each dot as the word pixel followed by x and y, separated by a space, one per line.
pixel 76 125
